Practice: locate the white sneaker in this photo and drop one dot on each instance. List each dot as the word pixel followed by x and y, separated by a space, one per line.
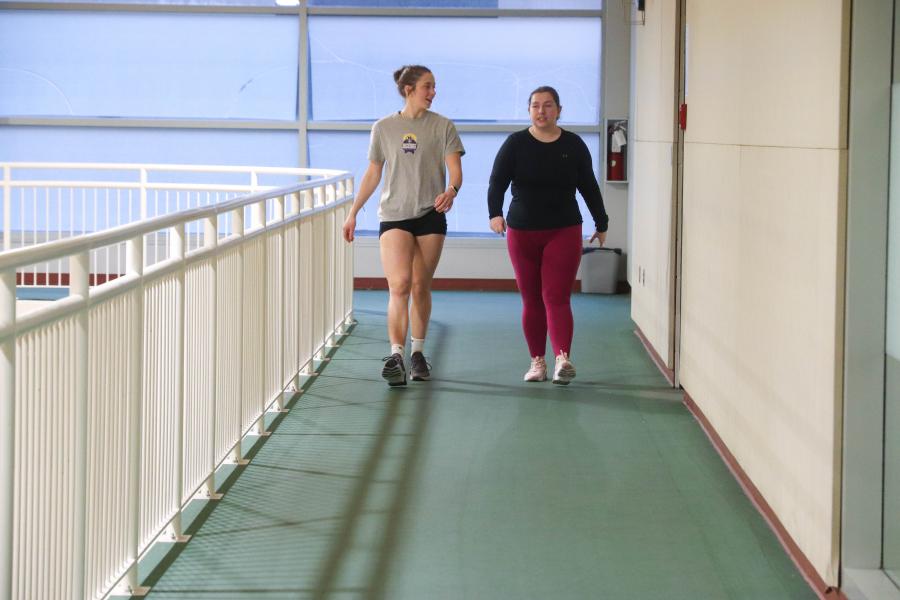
pixel 564 371
pixel 538 370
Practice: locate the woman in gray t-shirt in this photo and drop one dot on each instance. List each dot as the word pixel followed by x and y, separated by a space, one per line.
pixel 415 148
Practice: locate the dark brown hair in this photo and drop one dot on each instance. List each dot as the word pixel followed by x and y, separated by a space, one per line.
pixel 545 88
pixel 408 75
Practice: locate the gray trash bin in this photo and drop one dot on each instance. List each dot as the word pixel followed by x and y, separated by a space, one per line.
pixel 600 270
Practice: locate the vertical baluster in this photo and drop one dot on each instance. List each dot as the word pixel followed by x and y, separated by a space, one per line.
pixel 237 217
pixel 106 252
pixel 79 267
pixel 176 252
pixel 278 218
pixel 59 232
pixel 7 425
pixel 7 216
pixel 211 240
pixel 135 267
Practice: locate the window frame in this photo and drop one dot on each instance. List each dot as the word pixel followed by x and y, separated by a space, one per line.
pixel 302 125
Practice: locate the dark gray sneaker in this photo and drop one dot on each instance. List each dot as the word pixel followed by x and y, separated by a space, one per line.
pixel 419 369
pixel 393 371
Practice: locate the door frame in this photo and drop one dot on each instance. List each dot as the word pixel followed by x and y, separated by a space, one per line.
pixel 675 234
pixel 867 164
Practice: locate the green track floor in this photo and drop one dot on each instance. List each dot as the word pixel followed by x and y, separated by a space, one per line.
pixel 476 485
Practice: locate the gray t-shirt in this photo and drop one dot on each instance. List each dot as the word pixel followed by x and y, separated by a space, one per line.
pixel 413 152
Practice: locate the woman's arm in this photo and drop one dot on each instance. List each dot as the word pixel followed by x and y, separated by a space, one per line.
pixel 501 177
pixel 370 180
pixel 590 190
pixel 444 200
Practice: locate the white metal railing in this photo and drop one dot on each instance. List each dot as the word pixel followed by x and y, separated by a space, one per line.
pixel 43 202
pixel 119 402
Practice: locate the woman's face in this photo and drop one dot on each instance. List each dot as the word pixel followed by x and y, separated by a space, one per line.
pixel 422 95
pixel 543 110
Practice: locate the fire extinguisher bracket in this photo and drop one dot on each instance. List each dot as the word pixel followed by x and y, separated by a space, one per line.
pixel 616 151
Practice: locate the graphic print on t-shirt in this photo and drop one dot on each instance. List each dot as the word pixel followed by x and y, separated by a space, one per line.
pixel 409 144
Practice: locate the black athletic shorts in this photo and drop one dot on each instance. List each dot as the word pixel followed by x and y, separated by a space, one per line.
pixel 431 222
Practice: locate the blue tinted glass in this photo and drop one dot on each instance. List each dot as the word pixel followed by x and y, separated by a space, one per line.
pixel 178 2
pixel 171 146
pixel 407 3
pixel 533 4
pixel 148 65
pixel 347 150
pixel 484 71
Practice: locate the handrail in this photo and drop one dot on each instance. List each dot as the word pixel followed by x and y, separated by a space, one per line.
pixel 181 358
pixel 28 189
pixel 21 257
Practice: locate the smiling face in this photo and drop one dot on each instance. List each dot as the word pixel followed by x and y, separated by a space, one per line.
pixel 543 110
pixel 421 96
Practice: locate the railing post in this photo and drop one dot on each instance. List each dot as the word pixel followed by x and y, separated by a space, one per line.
pixel 79 286
pixel 134 267
pixel 280 211
pixel 319 283
pixel 258 215
pixel 237 218
pixel 237 221
pixel 142 206
pixel 347 312
pixel 7 208
pixel 210 241
pixel 177 247
pixel 7 427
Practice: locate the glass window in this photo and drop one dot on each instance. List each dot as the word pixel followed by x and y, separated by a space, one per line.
pixel 533 4
pixel 517 4
pixel 135 145
pixel 173 2
pixel 347 150
pixel 148 65
pixel 486 78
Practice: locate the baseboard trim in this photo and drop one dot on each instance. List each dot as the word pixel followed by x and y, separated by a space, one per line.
pixel 809 573
pixel 668 373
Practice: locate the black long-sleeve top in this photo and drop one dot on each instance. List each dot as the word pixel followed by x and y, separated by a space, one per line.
pixel 544 178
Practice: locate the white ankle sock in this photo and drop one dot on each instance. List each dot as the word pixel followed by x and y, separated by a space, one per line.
pixel 418 345
pixel 397 349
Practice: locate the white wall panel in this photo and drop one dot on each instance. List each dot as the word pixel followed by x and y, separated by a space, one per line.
pixel 650 192
pixel 767 72
pixel 760 321
pixel 762 239
pixel 651 277
pixel 762 260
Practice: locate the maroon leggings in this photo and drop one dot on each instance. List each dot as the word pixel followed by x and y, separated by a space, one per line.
pixel 546 263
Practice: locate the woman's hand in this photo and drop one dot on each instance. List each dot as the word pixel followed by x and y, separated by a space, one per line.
pixel 349 227
pixel 599 235
pixel 498 225
pixel 444 201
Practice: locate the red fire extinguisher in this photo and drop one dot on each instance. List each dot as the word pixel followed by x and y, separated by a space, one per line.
pixel 616 140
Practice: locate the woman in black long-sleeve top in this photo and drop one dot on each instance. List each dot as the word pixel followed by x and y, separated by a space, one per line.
pixel 545 165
